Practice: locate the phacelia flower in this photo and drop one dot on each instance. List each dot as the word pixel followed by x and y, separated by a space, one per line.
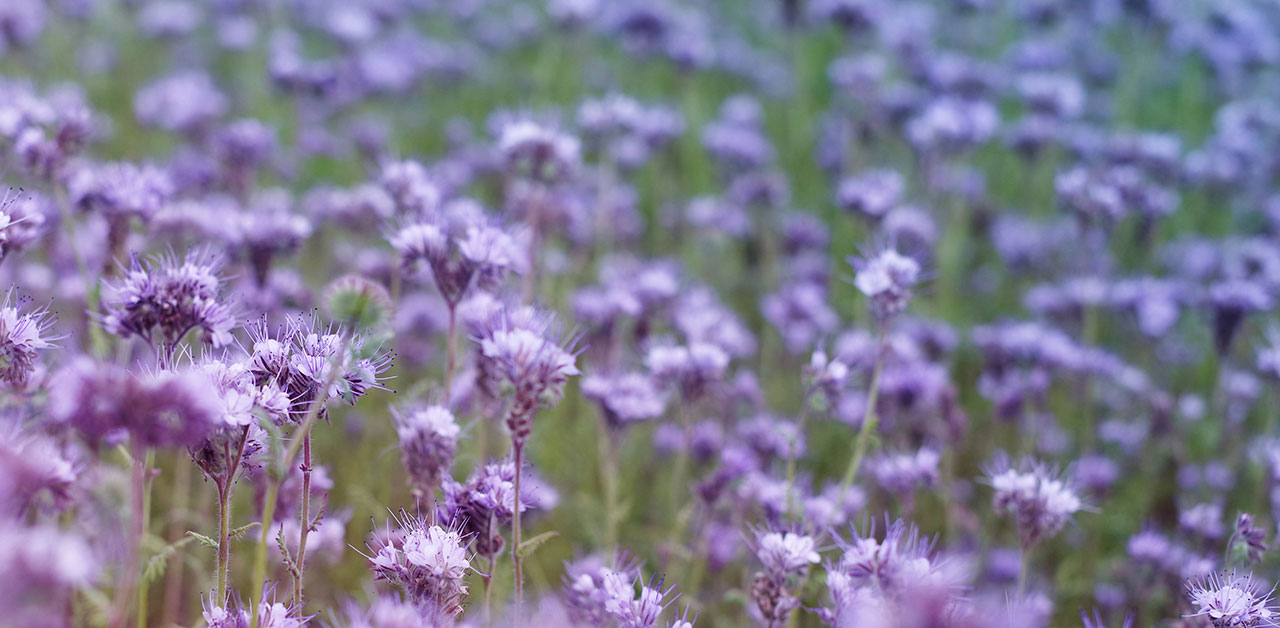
pixel 625 398
pixel 1231 601
pixel 525 350
pixel 163 299
pixel 428 441
pixel 428 562
pixel 537 151
pixel 886 279
pixel 1040 503
pixel 108 404
pixel 23 337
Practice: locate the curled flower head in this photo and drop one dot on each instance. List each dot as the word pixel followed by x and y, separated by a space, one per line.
pixel 523 348
pixel 24 335
pixel 1231 601
pixel 428 441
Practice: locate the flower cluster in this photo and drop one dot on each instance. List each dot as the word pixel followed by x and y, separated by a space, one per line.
pixel 428 562
pixel 1039 502
pixel 162 299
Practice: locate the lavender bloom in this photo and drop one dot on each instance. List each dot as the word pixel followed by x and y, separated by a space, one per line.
pixel 886 279
pixel 630 610
pixel 584 593
pixel 871 194
pixel 800 313
pixel 22 219
pixel 1231 601
pixel 428 562
pixel 163 299
pixel 428 442
pixel 186 102
pixel 389 611
pixel 692 368
pixel 624 398
pixel 538 152
pixel 902 474
pixel 1040 503
pixel 1253 538
pixel 783 554
pixel 298 359
pixel 1231 300
pixel 23 337
pixel 894 574
pixel 43 567
pixel 525 350
pixel 477 254
pixel 267 230
pixel 481 508
pixel 271 614
pixel 32 466
pixel 106 404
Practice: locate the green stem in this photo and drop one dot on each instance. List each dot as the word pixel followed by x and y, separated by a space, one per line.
pixel 304 518
pixel 791 459
pixel 144 516
pixel 609 485
pixel 869 422
pixel 516 560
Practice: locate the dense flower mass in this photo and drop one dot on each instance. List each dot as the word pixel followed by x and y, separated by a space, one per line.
pixel 639 313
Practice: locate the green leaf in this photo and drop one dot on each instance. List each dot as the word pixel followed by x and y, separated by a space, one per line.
pixel 160 560
pixel 240 531
pixel 529 546
pixel 204 540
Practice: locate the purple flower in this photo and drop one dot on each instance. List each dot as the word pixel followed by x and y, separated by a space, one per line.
pixel 163 299
pixel 22 218
pixel 186 102
pixel 886 279
pixel 524 348
pixel 584 593
pixel 902 474
pixel 624 398
pixel 106 404
pixel 1040 503
pixel 428 562
pixel 536 151
pixel 872 193
pixel 481 507
pixel 692 368
pixel 428 442
pixel 23 337
pixel 1231 601
pixel 784 553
